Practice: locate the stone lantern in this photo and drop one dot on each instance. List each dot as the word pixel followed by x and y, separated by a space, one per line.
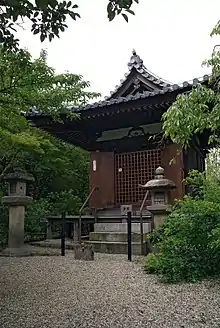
pixel 16 201
pixel 159 188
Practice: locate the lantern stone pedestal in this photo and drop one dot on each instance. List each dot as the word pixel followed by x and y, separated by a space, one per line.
pixel 16 201
pixel 159 214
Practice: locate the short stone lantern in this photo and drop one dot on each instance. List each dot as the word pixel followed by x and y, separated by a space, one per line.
pixel 16 201
pixel 160 188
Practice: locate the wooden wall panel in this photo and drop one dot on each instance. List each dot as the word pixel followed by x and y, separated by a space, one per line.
pixel 137 168
pixel 174 171
pixel 103 178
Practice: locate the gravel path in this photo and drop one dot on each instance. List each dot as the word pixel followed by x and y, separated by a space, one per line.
pixel 52 292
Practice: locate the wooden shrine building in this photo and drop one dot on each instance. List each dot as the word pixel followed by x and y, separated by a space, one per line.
pixel 124 137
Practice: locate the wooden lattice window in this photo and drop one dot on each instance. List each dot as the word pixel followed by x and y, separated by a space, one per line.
pixel 133 169
pixel 159 198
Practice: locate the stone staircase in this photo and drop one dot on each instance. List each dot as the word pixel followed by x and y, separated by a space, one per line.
pixel 112 237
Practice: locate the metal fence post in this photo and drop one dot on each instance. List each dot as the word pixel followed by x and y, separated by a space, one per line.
pixel 129 235
pixel 63 224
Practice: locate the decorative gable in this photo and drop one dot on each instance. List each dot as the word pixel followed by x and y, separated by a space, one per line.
pixel 138 80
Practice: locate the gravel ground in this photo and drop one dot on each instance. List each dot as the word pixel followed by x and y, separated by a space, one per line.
pixel 52 292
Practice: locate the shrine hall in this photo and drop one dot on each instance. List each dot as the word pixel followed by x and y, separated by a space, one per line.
pixel 123 134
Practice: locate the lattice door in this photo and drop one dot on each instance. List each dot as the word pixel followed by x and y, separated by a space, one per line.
pixel 133 169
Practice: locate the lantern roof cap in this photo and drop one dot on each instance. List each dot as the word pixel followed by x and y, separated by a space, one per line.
pixel 18 175
pixel 159 181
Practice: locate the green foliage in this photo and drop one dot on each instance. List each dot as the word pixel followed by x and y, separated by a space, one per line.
pixel 152 264
pixel 65 201
pixel 27 83
pixel 204 186
pixel 61 171
pixel 192 113
pixel 48 17
pixel 54 204
pixel 120 7
pixel 212 163
pixel 196 182
pixel 189 246
pixel 58 168
pixel 197 111
pixel 35 216
pixel 155 236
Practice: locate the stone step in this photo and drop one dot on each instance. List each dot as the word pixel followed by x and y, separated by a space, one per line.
pixel 113 236
pixel 121 227
pixel 53 243
pixel 115 247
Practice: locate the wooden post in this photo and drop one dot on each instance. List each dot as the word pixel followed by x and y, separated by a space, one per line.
pixel 76 230
pixel 49 229
pixel 80 228
pixel 142 233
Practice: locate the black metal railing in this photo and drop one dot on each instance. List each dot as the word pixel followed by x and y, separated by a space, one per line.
pixel 141 222
pixel 81 210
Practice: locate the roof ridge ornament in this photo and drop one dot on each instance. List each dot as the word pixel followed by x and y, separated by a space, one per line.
pixel 135 61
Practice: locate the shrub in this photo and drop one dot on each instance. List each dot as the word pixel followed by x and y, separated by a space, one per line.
pixel 36 212
pixel 202 186
pixel 54 204
pixel 195 183
pixel 155 236
pixel 152 264
pixel 188 249
pixel 66 201
pixel 189 241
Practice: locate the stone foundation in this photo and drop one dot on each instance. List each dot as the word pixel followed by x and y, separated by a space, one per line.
pixel 112 237
pixel 28 250
pixel 121 227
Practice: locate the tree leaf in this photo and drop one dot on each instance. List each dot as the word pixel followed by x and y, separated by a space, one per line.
pixel 51 36
pixel 130 11
pixel 42 37
pixel 36 31
pixel 109 7
pixel 125 17
pixel 42 4
pixel 69 4
pixel 111 15
pixel 53 3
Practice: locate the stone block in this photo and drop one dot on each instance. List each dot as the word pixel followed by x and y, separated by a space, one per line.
pixel 113 236
pixel 159 220
pixel 116 247
pixel 121 227
pixel 83 252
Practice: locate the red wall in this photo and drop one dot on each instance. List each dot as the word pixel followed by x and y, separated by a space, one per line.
pixel 174 171
pixel 104 178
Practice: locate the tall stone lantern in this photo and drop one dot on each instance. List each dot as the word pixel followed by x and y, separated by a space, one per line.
pixel 16 201
pixel 159 188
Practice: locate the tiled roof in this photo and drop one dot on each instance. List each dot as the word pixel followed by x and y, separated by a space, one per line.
pixel 136 63
pixel 144 95
pixel 160 87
